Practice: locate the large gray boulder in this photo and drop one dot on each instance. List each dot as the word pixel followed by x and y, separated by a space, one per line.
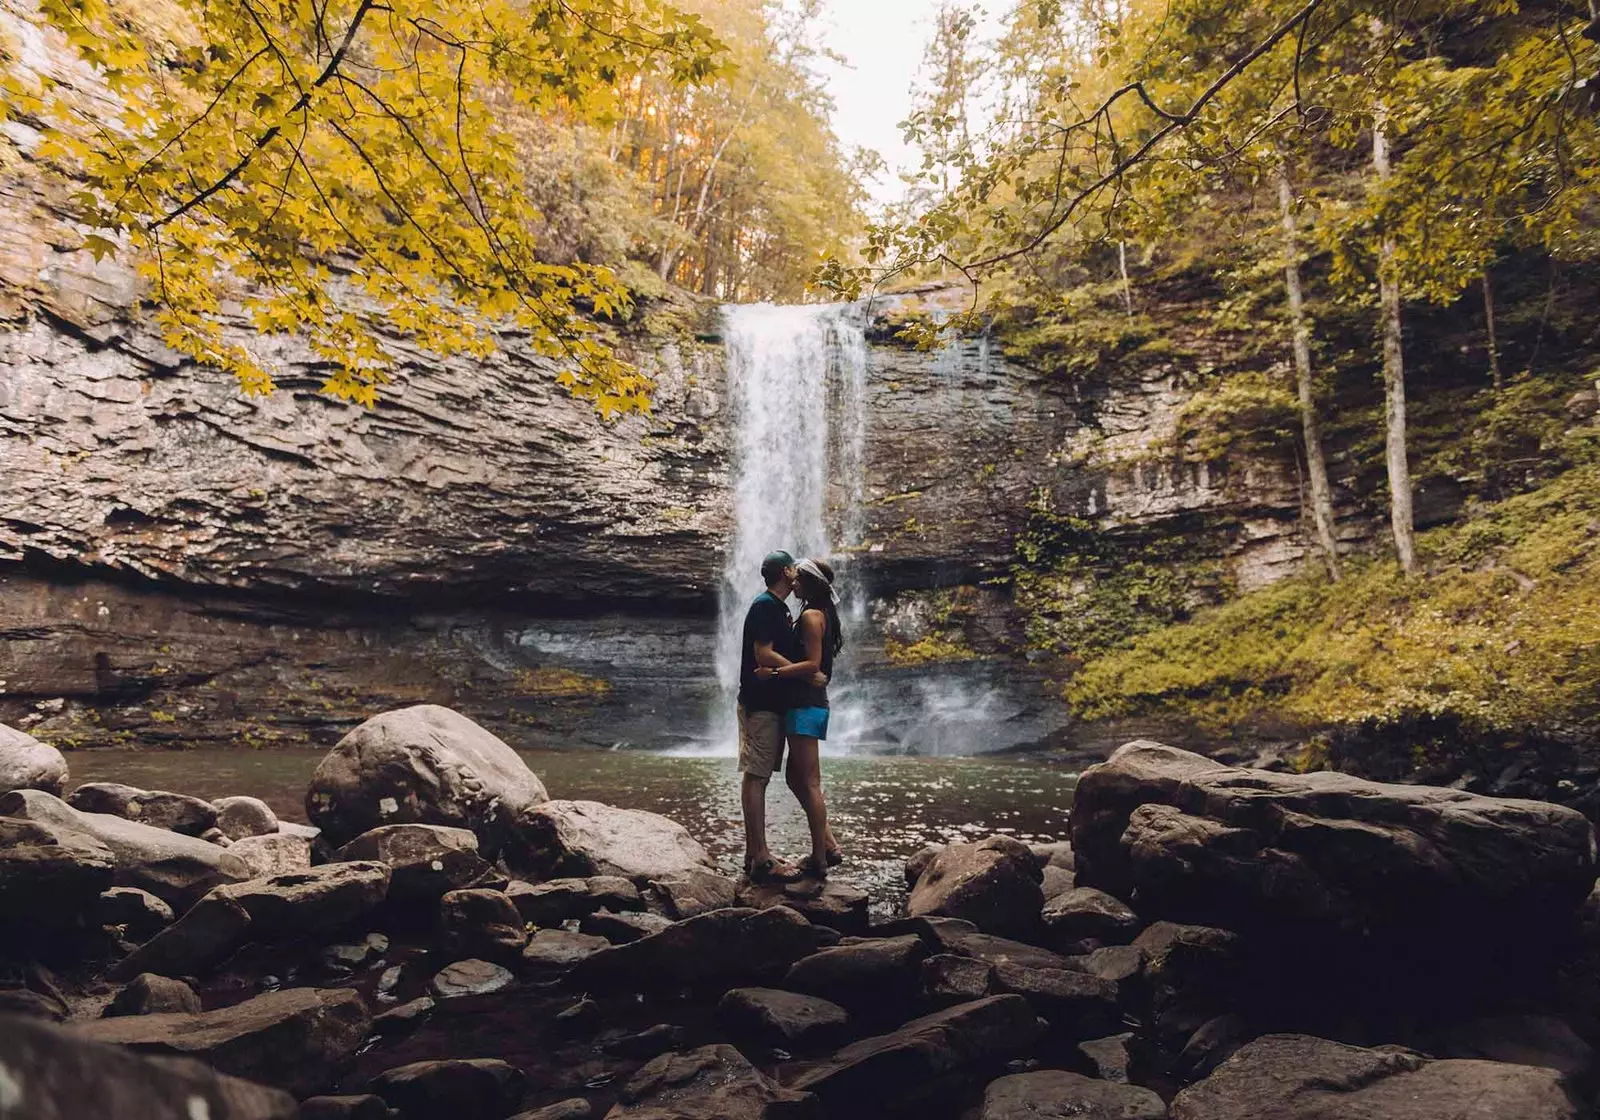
pixel 427 765
pixel 175 868
pixel 565 839
pixel 51 878
pixel 53 1074
pixel 711 1083
pixel 993 884
pixel 1327 856
pixel 297 1039
pixel 1297 1077
pixel 26 763
pixel 177 812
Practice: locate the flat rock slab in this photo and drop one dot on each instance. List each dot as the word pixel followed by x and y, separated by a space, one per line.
pixel 565 839
pixel 774 1017
pixel 1327 855
pixel 1297 1077
pixel 691 893
pixel 720 949
pixel 822 902
pixel 871 973
pixel 556 950
pixel 470 978
pixel 456 1087
pixel 177 812
pixel 424 860
pixel 711 1083
pixel 424 764
pixel 562 900
pixel 296 1039
pixel 1054 1094
pixel 56 1074
pixel 924 1059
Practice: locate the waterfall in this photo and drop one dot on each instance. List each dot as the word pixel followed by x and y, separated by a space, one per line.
pixel 797 379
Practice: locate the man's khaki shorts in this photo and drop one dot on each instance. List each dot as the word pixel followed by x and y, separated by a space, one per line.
pixel 760 742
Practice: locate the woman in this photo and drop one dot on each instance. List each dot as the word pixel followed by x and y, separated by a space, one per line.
pixel 806 722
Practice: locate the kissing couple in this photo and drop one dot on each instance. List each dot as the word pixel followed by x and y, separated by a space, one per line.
pixel 784 667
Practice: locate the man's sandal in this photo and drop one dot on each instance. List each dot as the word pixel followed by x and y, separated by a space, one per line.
pixel 770 870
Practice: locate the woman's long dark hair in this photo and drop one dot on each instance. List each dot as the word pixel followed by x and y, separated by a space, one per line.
pixel 814 596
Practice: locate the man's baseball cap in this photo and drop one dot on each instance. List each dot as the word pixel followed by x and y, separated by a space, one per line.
pixel 775 562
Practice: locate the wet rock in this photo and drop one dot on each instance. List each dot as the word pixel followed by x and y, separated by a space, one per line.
pixel 481 923
pixel 51 879
pixel 1123 965
pixel 470 978
pixel 1075 1004
pixel 993 884
pixel 691 893
pixel 149 994
pixel 1356 867
pixel 176 812
pixel 950 936
pixel 865 974
pixel 56 1074
pixel 919 862
pixel 923 1060
pixel 425 765
pixel 559 839
pixel 562 900
pixel 1527 1040
pixel 1188 964
pixel 1055 881
pixel 581 1018
pixel 1111 1057
pixel 349 956
pixel 711 1083
pixel 720 949
pixel 175 868
pixel 239 817
pixel 28 1004
pixel 574 1108
pixel 948 979
pixel 788 1020
pixel 1296 1077
pixel 425 860
pixel 462 1088
pixel 1055 1094
pixel 364 1106
pixel 209 933
pixel 619 929
pixel 821 902
pixel 1083 913
pixel 403 1019
pixel 643 1045
pixel 1212 1044
pixel 26 763
pixel 140 912
pixel 295 1039
pixel 552 951
pixel 278 854
pixel 1056 854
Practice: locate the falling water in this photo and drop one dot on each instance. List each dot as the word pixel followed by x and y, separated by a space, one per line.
pixel 797 379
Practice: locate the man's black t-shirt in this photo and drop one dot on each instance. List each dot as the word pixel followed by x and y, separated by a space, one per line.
pixel 767 620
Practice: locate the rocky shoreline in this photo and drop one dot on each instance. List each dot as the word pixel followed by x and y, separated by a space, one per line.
pixel 448 940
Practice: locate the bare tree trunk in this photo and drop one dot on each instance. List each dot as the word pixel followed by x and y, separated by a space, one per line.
pixel 1127 285
pixel 1394 369
pixel 1488 319
pixel 1316 465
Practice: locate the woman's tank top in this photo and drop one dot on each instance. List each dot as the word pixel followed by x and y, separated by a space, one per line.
pixel 809 695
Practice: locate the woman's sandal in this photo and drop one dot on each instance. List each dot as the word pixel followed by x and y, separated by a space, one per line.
pixel 835 857
pixel 772 870
pixel 814 868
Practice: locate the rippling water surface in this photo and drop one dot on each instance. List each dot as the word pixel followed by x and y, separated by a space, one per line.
pixel 883 809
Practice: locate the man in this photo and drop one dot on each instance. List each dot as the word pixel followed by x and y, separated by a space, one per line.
pixel 768 640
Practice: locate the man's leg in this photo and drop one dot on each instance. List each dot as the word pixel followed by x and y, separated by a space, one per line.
pixel 760 749
pixel 753 798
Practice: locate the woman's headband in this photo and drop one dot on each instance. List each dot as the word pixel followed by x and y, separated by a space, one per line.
pixel 809 567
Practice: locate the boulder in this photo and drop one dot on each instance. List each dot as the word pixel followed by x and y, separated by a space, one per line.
pixel 1085 914
pixel 425 765
pixel 278 854
pixel 481 923
pixel 1055 881
pixel 139 913
pixel 405 1018
pixel 52 1073
pixel 239 817
pixel 296 1039
pixel 878 974
pixel 51 878
pixel 1075 1004
pixel 993 884
pixel 948 979
pixel 175 812
pixel 425 860
pixel 1055 1094
pixel 573 1108
pixel 565 900
pixel 822 902
pixel 1057 854
pixel 1123 965
pixel 1528 1040
pixel 1212 1044
pixel 149 994
pixel 720 949
pixel 1197 965
pixel 619 929
pixel 773 1017
pixel 691 893
pixel 711 1083
pixel 175 868
pixel 927 1059
pixel 470 978
pixel 1296 1077
pixel 581 838
pixel 943 935
pixel 361 1106
pixel 26 763
pixel 556 950
pixel 464 1088
pixel 919 862
pixel 1434 877
pixel 1111 1056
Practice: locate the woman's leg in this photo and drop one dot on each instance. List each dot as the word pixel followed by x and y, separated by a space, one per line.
pixel 804 775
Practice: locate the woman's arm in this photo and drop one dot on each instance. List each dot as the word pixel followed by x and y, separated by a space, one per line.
pixel 769 658
pixel 811 625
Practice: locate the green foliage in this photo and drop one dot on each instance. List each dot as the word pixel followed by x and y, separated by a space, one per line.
pixel 1079 331
pixel 928 649
pixel 1247 413
pixel 1502 633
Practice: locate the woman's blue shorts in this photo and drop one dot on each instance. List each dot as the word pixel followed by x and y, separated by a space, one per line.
pixel 811 722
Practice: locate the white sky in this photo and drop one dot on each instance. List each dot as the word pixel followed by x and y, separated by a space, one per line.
pixel 883 41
